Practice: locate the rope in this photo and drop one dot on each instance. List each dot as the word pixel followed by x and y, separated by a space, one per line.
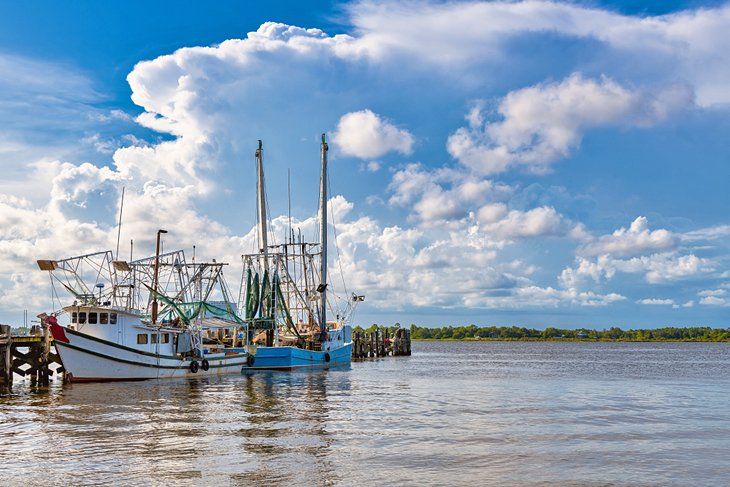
pixel 337 247
pixel 53 291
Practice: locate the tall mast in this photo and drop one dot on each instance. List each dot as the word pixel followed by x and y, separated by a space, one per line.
pixel 323 241
pixel 261 195
pixel 156 275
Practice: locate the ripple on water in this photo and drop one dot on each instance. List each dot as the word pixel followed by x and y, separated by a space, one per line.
pixel 506 413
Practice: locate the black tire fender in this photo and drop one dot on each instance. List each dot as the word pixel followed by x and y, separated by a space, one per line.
pixel 250 360
pixel 326 356
pixel 204 365
pixel 194 366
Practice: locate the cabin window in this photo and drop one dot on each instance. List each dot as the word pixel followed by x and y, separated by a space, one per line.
pixel 103 318
pixel 74 317
pixel 154 337
pixel 82 317
pixel 92 318
pixel 165 338
pixel 142 338
pixel 112 318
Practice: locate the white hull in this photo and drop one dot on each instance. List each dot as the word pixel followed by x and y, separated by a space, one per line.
pixel 86 358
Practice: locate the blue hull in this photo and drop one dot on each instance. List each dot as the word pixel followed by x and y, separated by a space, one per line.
pixel 289 358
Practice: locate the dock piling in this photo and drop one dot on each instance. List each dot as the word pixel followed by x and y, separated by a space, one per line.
pixel 382 342
pixel 6 342
pixel 27 356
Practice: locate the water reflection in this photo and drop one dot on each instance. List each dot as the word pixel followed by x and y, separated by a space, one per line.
pixel 287 428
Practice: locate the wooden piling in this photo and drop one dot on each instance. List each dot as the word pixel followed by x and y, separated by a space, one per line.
pixel 382 342
pixel 6 342
pixel 28 356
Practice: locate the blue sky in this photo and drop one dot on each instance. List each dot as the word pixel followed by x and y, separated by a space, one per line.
pixel 528 163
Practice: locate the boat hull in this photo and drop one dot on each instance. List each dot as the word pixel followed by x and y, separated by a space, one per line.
pixel 290 358
pixel 89 359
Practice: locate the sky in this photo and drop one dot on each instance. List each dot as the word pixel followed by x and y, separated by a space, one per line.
pixel 525 163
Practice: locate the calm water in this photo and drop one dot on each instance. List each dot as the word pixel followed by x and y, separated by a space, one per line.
pixel 478 413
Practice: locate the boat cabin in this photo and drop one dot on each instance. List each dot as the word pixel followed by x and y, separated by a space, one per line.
pixel 122 328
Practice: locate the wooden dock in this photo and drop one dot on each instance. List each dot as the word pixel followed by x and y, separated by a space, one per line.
pixel 381 342
pixel 28 356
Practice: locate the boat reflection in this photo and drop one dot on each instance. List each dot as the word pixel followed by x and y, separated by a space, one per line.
pixel 288 432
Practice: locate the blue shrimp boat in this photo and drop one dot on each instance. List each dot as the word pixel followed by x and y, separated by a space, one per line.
pixel 290 358
pixel 286 296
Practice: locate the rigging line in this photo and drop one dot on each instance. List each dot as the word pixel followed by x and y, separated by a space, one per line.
pixel 337 245
pixel 241 300
pixel 256 214
pixel 288 190
pixel 119 231
pixel 53 291
pixel 268 218
pixel 268 208
pixel 101 267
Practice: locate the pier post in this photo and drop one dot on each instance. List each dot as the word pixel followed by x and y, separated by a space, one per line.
pixel 381 342
pixel 45 349
pixel 6 360
pixel 359 345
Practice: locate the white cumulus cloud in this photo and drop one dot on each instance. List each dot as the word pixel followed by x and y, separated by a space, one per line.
pixel 544 123
pixel 542 221
pixel 654 254
pixel 443 194
pixel 655 268
pixel 656 301
pixel 458 36
pixel 637 239
pixel 365 134
pixel 714 297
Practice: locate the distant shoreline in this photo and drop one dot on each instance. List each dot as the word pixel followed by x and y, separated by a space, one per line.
pixel 552 334
pixel 572 340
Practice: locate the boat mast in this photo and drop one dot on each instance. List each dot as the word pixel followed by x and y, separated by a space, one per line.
pixel 323 243
pixel 156 276
pixel 261 195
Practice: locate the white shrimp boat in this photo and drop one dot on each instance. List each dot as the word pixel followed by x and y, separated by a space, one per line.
pixel 152 318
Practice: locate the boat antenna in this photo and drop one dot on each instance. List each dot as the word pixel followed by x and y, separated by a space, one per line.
pixel 322 288
pixel 119 229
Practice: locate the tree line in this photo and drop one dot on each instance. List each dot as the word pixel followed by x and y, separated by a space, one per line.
pixel 473 332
